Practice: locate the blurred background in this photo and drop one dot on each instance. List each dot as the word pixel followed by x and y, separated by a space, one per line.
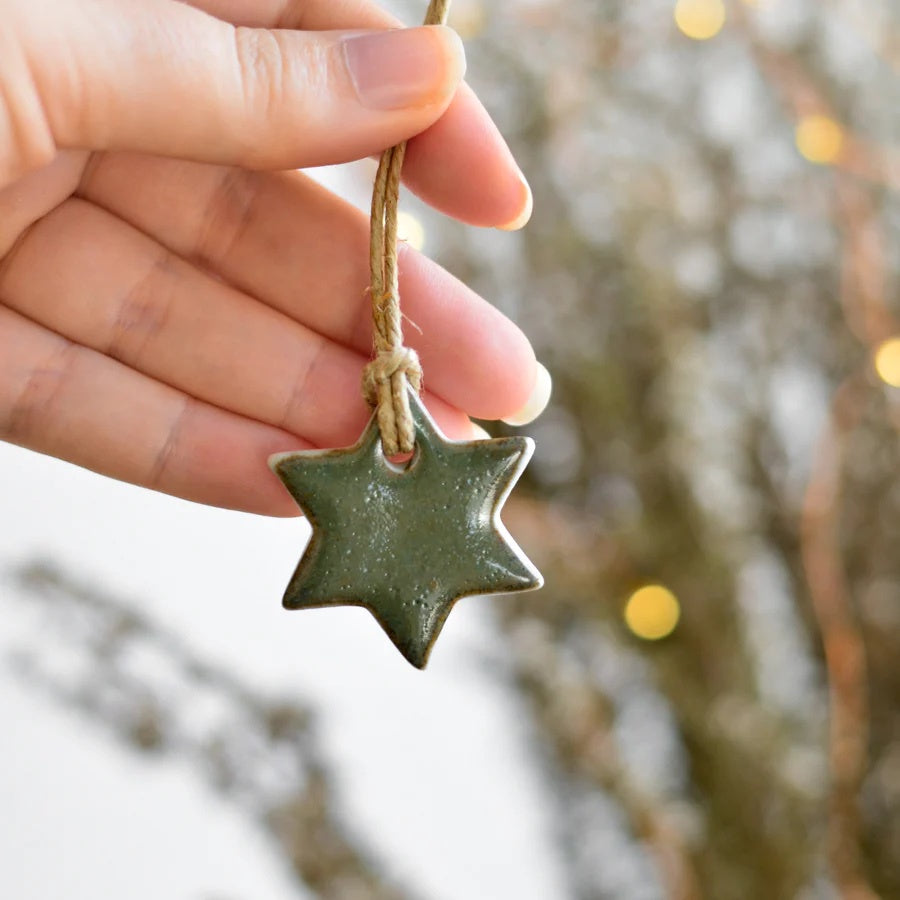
pixel 704 700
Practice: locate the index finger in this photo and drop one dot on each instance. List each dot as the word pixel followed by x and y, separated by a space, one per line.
pixel 461 165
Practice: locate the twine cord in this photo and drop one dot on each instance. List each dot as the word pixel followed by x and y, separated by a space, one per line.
pixel 395 365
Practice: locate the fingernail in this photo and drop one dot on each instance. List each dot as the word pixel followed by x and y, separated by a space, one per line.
pixel 521 220
pixel 479 434
pixel 537 402
pixel 405 67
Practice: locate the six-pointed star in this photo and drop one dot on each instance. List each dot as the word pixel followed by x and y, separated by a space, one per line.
pixel 407 542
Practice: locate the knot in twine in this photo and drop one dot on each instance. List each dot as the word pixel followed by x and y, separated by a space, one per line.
pixel 396 366
pixel 384 386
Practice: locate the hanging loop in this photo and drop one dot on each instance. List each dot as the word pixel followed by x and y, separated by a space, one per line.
pixel 395 365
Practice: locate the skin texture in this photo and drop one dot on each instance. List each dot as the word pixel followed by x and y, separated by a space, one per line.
pixel 176 303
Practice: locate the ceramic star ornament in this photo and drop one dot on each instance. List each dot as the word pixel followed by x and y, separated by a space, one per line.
pixel 406 542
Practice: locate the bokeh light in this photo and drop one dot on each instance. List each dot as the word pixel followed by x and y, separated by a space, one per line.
pixel 887 362
pixel 652 612
pixel 468 18
pixel 700 19
pixel 819 138
pixel 410 230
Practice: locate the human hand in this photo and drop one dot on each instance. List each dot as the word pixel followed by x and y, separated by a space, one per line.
pixel 174 306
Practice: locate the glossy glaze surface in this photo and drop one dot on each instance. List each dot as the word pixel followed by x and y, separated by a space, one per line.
pixel 407 542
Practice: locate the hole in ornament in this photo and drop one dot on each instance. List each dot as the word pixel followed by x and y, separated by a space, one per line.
pixel 402 462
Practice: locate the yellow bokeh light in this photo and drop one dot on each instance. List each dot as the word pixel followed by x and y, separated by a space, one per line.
pixel 410 230
pixel 652 612
pixel 819 138
pixel 700 19
pixel 887 362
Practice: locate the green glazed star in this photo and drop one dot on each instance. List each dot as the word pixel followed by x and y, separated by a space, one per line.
pixel 407 542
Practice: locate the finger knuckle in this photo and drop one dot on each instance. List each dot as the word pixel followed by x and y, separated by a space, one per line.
pixel 32 410
pixel 165 459
pixel 281 76
pixel 230 215
pixel 26 141
pixel 261 69
pixel 143 311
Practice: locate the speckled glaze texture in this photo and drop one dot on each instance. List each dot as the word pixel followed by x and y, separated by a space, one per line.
pixel 407 543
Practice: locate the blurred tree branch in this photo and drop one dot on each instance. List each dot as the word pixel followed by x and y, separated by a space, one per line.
pixel 153 693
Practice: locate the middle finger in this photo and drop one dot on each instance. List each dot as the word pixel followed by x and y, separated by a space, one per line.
pixel 294 245
pixel 98 281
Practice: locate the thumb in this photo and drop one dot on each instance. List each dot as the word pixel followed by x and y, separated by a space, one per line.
pixel 162 77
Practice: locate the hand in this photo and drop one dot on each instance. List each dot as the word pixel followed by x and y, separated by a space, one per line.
pixel 174 305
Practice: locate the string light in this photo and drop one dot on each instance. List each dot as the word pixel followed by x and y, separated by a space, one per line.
pixel 410 230
pixel 700 19
pixel 819 138
pixel 887 362
pixel 652 612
